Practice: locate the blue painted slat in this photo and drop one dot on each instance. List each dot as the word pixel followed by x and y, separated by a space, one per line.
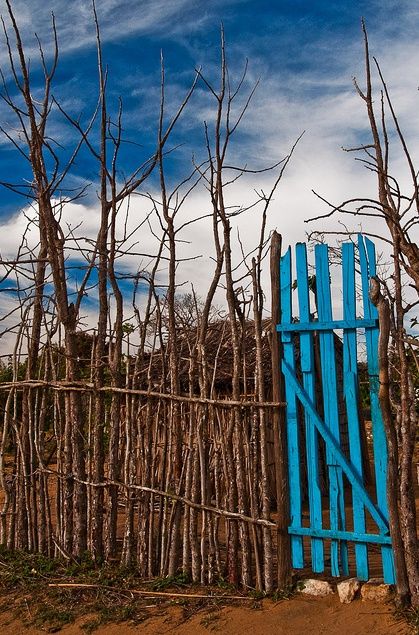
pixel 331 410
pixel 297 550
pixel 308 371
pixel 368 269
pixel 376 539
pixel 350 388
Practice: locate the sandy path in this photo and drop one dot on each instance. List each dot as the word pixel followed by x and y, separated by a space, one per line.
pixel 300 615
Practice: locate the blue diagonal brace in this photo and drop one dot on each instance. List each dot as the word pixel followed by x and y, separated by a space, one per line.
pixel 337 452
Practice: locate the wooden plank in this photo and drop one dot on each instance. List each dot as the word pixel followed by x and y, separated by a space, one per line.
pixel 294 475
pixel 308 371
pixel 368 269
pixel 377 539
pixel 331 410
pixel 327 325
pixel 340 458
pixel 350 389
pixel 283 547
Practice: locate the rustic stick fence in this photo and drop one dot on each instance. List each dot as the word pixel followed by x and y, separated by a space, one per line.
pixel 147 499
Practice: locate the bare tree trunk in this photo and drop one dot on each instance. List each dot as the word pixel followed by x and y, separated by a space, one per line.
pixel 393 453
pixel 261 396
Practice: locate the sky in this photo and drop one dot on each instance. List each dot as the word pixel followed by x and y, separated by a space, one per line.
pixel 303 54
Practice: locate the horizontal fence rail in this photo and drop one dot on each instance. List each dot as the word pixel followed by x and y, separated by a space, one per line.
pixel 86 387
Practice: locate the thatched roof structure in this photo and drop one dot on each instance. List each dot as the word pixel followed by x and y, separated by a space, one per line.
pixel 219 357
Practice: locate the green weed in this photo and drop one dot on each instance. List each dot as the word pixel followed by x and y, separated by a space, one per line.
pixel 211 621
pixel 181 579
pixel 411 616
pixel 52 618
pixel 286 593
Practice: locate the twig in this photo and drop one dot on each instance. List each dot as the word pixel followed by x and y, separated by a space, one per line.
pixel 199 596
pixel 88 387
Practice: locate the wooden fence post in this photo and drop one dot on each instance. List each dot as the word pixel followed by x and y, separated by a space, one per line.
pixel 279 427
pixel 383 308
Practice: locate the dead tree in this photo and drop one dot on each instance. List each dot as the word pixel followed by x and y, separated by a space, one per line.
pixel 398 213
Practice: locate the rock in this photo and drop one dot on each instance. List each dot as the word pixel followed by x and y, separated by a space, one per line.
pixel 316 587
pixel 376 591
pixel 348 589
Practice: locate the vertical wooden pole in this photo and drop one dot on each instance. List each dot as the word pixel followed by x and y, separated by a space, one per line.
pixel 279 428
pixel 383 308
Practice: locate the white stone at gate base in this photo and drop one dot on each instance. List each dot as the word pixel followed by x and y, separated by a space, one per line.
pixel 316 587
pixel 348 589
pixel 376 591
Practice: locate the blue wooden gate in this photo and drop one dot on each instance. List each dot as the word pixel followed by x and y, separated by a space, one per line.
pixel 349 516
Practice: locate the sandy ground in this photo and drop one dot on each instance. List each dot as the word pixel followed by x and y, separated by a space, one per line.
pixel 300 615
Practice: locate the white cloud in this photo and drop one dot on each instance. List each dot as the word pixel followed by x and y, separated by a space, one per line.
pixel 75 23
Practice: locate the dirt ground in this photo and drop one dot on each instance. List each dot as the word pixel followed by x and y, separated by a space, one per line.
pixel 296 616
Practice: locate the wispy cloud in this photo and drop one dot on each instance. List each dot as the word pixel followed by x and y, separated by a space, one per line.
pixel 118 19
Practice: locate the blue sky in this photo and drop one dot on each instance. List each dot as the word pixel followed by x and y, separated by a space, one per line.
pixel 304 53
